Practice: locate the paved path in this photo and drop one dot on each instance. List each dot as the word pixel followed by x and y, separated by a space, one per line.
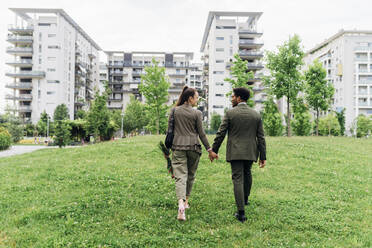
pixel 15 150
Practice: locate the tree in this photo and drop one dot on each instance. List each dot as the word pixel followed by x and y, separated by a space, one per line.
pixel 318 90
pixel 302 118
pixel 98 117
pixel 62 133
pixel 328 125
pixel 215 121
pixel 154 87
pixel 285 77
pixel 14 126
pixel 272 120
pixel 363 126
pixel 80 114
pixel 5 139
pixel 341 120
pixel 134 119
pixel 240 77
pixel 42 124
pixel 61 112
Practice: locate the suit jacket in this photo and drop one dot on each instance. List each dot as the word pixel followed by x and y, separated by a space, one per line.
pixel 188 129
pixel 245 134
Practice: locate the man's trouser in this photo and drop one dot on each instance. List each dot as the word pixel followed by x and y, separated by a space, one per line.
pixel 242 180
pixel 184 164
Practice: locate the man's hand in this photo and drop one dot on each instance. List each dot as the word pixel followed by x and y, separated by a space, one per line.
pixel 262 163
pixel 212 156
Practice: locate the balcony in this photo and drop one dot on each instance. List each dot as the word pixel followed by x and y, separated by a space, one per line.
pixel 175 90
pixel 250 54
pixel 365 81
pixel 137 73
pixel 26 74
pixel 253 80
pixel 21 86
pixel 248 33
pixel 362 59
pixel 363 48
pixel 21 30
pixel 24 109
pixel 254 66
pixel 20 51
pixel 250 44
pixel 363 70
pixel 20 63
pixel 179 83
pixel 91 56
pixel 177 74
pixel 115 100
pixel 116 65
pixel 21 97
pixel 20 39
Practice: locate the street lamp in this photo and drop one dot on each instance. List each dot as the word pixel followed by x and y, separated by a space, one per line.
pixel 122 123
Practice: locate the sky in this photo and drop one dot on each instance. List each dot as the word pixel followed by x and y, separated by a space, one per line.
pixel 178 25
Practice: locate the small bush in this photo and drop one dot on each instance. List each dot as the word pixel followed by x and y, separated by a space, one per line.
pixel 5 139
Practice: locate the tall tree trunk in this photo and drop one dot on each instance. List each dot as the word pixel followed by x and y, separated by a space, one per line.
pixel 157 125
pixel 317 122
pixel 288 119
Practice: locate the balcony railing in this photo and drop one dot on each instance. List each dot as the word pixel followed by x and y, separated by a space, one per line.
pixel 361 59
pixel 19 50
pixel 255 65
pixel 363 70
pixel 21 97
pixel 365 81
pixel 26 86
pixel 14 28
pixel 20 62
pixel 34 74
pixel 24 109
pixel 250 42
pixel 177 74
pixel 250 54
pixel 363 48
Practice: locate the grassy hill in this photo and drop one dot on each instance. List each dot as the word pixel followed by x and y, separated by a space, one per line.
pixel 314 192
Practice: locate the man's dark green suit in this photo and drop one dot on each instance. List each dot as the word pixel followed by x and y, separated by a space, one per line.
pixel 245 143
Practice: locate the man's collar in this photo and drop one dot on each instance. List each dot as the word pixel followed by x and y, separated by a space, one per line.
pixel 242 103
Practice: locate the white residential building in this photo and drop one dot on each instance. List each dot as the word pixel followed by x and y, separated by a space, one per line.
pixel 52 61
pixel 347 58
pixel 226 34
pixel 197 81
pixel 125 70
pixel 103 76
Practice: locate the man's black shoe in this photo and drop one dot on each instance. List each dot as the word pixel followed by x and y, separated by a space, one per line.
pixel 240 217
pixel 246 201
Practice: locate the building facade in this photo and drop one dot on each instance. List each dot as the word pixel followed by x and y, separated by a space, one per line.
pixel 347 58
pixel 227 34
pixel 125 70
pixel 52 60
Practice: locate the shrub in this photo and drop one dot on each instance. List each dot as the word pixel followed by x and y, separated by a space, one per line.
pixel 329 125
pixel 5 139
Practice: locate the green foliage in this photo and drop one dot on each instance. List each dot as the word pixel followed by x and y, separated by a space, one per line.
pixel 240 77
pixel 14 126
pixel 215 121
pixel 61 113
pixel 328 125
pixel 78 129
pixel 42 125
pixel 154 87
pixel 285 79
pixel 341 120
pixel 363 126
pixel 30 130
pixel 5 139
pixel 302 118
pixel 314 192
pixel 62 133
pixel 134 118
pixel 98 118
pixel 318 90
pixel 80 114
pixel 272 119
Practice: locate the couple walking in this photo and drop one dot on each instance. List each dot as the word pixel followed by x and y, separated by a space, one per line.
pixel 245 143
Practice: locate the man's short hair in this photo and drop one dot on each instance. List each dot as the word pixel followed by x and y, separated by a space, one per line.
pixel 242 92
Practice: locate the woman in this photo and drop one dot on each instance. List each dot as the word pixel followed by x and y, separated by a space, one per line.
pixel 186 147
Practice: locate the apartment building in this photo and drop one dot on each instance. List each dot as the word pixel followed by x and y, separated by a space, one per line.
pixel 347 58
pixel 103 76
pixel 227 34
pixel 52 61
pixel 125 70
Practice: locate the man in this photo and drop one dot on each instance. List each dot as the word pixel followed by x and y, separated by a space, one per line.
pixel 245 142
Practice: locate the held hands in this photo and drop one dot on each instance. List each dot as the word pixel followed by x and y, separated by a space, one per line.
pixel 262 163
pixel 212 156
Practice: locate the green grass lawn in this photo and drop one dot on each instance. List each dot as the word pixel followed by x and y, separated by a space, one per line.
pixel 314 192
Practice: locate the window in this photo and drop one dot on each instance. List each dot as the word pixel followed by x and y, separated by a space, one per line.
pixel 219 94
pixel 231 39
pixel 53 81
pixel 218 72
pixel 39 48
pixel 39 61
pixel 219 49
pixel 51 92
pixel 39 94
pixel 52 58
pixel 51 35
pixel 219 38
pixel 218 106
pixel 225 27
pixel 219 84
pixel 219 61
pixel 51 69
pixel 44 24
pixel 53 47
pixel 40 35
